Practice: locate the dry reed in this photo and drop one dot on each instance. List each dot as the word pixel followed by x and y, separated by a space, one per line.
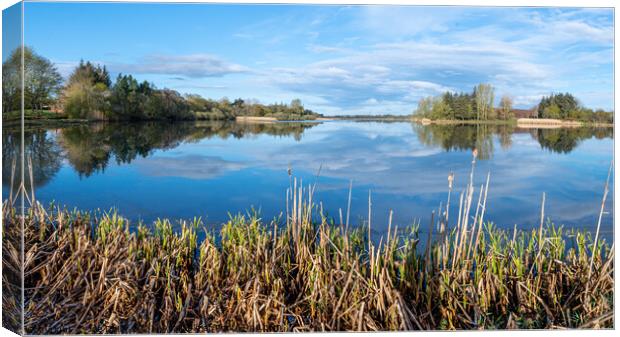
pixel 88 275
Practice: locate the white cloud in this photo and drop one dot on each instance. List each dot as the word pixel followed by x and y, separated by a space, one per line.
pixel 316 48
pixel 406 20
pixel 194 65
pixel 341 61
pixel 188 166
pixel 409 52
pixel 65 68
pixel 403 72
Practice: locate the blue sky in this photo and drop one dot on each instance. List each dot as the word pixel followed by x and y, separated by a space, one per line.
pixel 11 29
pixel 337 59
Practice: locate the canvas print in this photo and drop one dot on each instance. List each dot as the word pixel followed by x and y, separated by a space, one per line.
pixel 206 168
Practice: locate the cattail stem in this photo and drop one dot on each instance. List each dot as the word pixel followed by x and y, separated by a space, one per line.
pixel 349 204
pixel 600 217
pixel 369 220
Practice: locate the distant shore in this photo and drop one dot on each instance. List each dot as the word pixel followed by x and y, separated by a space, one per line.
pixel 381 118
pixel 525 123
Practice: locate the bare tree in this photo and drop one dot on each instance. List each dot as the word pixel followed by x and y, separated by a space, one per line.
pixel 485 94
pixel 505 107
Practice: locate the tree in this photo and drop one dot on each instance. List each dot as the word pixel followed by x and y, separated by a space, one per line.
pixel 552 111
pixel 197 103
pixel 440 109
pixel 167 104
pixel 11 83
pixel 566 105
pixel 128 99
pixel 82 99
pixel 296 106
pixel 87 91
pixel 463 106
pixel 505 108
pixel 94 73
pixel 484 96
pixel 425 106
pixel 448 100
pixel 89 94
pixel 41 80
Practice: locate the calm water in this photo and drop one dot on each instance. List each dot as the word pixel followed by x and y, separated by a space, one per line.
pixel 211 169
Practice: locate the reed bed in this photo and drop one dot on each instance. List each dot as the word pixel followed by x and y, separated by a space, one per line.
pixel 88 274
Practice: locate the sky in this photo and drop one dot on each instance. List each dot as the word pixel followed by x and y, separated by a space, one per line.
pixel 336 59
pixel 11 29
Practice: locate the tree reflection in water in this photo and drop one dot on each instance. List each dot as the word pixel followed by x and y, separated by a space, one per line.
pixel 566 139
pixel 89 148
pixel 480 136
pixel 39 146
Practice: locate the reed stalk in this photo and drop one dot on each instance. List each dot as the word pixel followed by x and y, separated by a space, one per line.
pixel 98 273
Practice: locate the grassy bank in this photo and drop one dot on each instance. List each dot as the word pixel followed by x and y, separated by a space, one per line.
pixel 37 117
pixel 41 118
pixel 87 274
pixel 46 117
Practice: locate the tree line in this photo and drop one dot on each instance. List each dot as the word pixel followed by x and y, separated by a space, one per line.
pixel 566 106
pixel 479 105
pixel 90 93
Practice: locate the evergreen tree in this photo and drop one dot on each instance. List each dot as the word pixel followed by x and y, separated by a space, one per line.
pixel 567 106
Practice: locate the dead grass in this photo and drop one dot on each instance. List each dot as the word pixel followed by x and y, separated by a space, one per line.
pixel 87 275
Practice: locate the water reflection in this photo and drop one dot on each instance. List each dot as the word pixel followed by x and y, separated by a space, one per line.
pixel 468 137
pixel 463 137
pixel 90 148
pixel 39 146
pixel 566 140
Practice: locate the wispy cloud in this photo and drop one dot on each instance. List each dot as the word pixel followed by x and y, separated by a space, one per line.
pixel 65 68
pixel 317 48
pixel 192 66
pixel 406 71
pixel 338 59
pixel 408 53
pixel 188 166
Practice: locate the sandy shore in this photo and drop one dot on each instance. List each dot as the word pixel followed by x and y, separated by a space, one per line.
pixel 545 123
pixel 253 119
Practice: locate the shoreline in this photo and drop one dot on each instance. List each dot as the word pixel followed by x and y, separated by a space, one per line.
pixel 238 119
pixel 255 119
pixel 524 123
